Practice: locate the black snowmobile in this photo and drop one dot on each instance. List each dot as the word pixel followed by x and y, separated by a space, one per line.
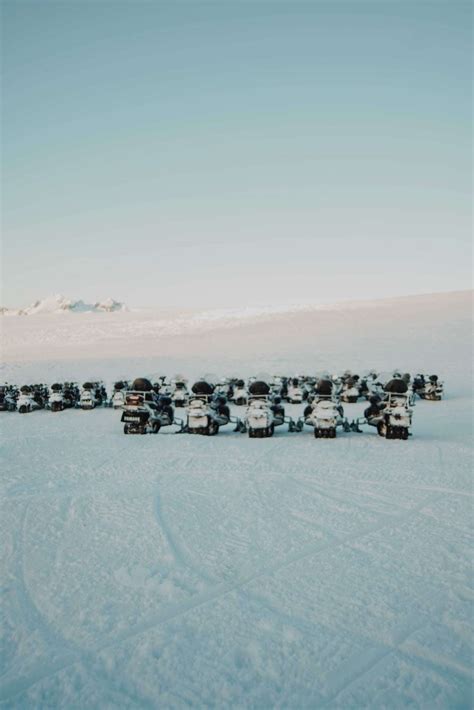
pixel 145 411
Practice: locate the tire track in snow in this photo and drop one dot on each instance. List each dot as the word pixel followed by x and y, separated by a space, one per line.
pixel 16 686
pixel 182 558
pixel 39 492
pixel 37 621
pixel 357 667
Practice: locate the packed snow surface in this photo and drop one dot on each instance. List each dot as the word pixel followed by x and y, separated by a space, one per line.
pixel 180 571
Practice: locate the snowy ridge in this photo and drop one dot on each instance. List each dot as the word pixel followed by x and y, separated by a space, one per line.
pixel 58 303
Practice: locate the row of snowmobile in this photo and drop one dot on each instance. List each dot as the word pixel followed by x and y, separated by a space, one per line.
pixel 148 407
pixel 57 398
pixel 349 387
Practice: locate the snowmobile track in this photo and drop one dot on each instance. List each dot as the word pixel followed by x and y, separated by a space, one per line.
pixel 11 689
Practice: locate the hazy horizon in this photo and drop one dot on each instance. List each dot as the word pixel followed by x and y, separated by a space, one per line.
pixel 256 305
pixel 198 154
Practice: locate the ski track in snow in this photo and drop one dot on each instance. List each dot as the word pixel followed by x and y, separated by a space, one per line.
pixel 174 571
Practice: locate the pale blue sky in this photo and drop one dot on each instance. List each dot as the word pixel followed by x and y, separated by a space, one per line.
pixel 235 153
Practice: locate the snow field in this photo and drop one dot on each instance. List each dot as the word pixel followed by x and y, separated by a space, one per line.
pixel 182 570
pixel 168 571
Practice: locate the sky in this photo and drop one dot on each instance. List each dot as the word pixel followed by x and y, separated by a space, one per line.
pixel 235 153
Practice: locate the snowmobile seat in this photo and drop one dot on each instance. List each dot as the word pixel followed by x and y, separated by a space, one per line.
pixel 259 388
pixel 202 387
pixel 141 384
pixel 396 386
pixel 324 387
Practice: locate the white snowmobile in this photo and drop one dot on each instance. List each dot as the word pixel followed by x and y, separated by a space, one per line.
pixel 223 388
pixel 56 398
pixel 295 394
pixel 277 383
pixel 392 415
pixel 92 395
pixel 350 391
pixel 240 393
pixel 145 412
pixel 62 397
pixel 29 400
pixel 325 413
pixel 119 394
pixel 205 413
pixel 432 390
pixel 325 416
pixel 179 393
pixel 264 412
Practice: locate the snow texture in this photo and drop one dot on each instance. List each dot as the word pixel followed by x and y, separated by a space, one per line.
pixel 184 571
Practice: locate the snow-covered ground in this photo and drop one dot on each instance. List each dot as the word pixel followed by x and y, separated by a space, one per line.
pixel 174 571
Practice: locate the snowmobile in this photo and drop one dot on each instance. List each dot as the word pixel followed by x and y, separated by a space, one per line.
pixel 144 411
pixel 325 413
pixel 224 389
pixel 325 416
pixel 418 384
pixel 30 399
pixel 367 384
pixel 432 389
pixel 264 411
pixel 240 393
pixel 278 386
pixel 162 386
pixel 62 397
pixel 8 398
pixel 119 394
pixel 205 413
pixel 350 391
pixel 294 394
pixel 179 393
pixel 93 395
pixel 392 415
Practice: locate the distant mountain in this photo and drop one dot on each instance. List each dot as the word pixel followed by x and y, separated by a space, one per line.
pixel 59 304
